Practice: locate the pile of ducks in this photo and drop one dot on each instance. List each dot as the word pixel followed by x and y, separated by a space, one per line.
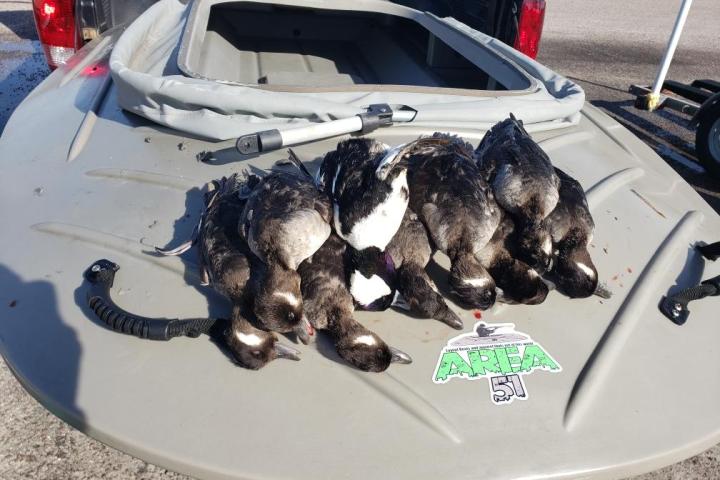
pixel 298 253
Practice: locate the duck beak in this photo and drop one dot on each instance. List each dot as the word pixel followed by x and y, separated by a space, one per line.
pixel 602 291
pixel 450 318
pixel 399 356
pixel 283 351
pixel 304 330
pixel 549 283
pixel 400 302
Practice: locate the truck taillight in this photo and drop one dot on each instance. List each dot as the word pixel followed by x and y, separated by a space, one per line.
pixel 55 21
pixel 532 14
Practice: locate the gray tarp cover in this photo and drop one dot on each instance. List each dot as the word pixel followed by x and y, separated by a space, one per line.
pixel 144 66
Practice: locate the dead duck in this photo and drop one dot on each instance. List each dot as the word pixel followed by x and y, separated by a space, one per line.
pixel 367 182
pixel 285 220
pixel 329 306
pixel 411 251
pixel 455 204
pixel 251 347
pixel 516 281
pixel 571 227
pixel 524 184
pixel 226 262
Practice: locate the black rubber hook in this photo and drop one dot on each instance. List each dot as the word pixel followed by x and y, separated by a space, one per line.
pixel 675 307
pixel 101 276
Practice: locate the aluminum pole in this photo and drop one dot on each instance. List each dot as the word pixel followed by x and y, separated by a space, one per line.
pixel 654 96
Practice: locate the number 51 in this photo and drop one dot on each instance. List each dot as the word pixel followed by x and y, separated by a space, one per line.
pixel 506 387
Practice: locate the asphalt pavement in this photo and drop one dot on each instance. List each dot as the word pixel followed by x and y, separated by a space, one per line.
pixel 608 45
pixel 604 45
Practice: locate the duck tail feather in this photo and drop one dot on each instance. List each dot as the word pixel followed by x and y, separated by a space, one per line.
pixel 295 160
pixel 518 124
pixel 245 187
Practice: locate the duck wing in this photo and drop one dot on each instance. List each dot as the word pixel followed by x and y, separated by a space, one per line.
pixel 572 210
pixel 223 252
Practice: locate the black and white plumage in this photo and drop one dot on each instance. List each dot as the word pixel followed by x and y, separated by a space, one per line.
pixel 329 307
pixel 226 261
pixel 367 182
pixel 516 281
pixel 285 220
pixel 525 185
pixel 571 227
pixel 411 251
pixel 453 201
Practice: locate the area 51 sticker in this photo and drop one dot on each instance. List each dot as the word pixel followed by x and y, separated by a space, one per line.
pixel 497 352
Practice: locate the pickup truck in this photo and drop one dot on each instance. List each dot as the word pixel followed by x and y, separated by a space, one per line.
pixel 64 26
pixel 110 155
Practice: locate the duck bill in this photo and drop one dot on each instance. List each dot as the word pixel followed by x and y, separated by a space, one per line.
pixel 304 330
pixel 602 291
pixel 284 351
pixel 400 302
pixel 389 161
pixel 399 356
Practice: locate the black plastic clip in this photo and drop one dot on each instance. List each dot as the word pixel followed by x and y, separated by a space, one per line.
pixel 377 115
pixel 259 142
pixel 711 251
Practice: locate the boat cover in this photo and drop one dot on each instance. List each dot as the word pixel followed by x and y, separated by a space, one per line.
pixel 150 83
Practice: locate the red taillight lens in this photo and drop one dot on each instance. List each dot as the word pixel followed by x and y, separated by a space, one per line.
pixel 532 14
pixel 55 21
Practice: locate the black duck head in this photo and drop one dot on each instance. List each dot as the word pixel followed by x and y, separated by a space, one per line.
pixel 574 272
pixel 471 283
pixel 253 348
pixel 368 352
pixel 279 307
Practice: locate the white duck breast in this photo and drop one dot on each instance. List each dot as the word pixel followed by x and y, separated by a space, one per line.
pixel 366 290
pixel 510 187
pixel 287 217
pixel 308 231
pixel 379 227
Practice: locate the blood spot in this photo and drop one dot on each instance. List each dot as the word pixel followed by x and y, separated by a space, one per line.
pixel 477 314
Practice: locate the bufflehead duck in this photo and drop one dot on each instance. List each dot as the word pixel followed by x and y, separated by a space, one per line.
pixel 456 205
pixel 367 182
pixel 226 262
pixel 515 279
pixel 285 220
pixel 525 185
pixel 571 227
pixel 411 250
pixel 254 348
pixel 329 305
